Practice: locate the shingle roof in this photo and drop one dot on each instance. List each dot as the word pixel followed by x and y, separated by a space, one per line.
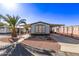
pixel 40 22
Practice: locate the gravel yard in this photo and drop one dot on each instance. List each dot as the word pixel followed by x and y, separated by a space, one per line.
pixel 45 44
pixel 5 38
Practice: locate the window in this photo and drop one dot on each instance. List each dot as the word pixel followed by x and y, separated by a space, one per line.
pixel 40 28
pixel 36 29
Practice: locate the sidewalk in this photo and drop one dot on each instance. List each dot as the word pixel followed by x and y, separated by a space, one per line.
pixel 23 37
pixel 67 44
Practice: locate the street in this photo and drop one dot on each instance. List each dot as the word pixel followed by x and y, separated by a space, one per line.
pixel 20 51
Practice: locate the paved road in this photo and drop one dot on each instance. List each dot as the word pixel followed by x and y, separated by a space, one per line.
pixel 64 39
pixel 20 51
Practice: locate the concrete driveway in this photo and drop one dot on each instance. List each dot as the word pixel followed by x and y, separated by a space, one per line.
pixel 67 44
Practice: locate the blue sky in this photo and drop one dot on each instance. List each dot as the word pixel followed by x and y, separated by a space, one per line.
pixel 54 13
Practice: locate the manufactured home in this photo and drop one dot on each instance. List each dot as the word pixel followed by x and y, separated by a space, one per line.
pixel 4 30
pixel 40 28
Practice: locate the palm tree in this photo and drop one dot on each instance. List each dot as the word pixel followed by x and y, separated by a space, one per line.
pixel 12 22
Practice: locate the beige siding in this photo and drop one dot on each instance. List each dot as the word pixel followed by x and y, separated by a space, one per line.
pixel 65 30
pixel 68 30
pixel 76 31
pixel 61 30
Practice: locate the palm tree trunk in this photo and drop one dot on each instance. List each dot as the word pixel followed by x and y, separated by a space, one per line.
pixel 14 34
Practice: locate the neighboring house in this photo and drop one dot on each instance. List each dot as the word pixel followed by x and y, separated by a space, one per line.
pixel 4 29
pixel 20 29
pixel 53 27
